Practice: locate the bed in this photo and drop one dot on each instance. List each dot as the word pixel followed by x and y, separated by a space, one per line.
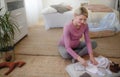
pixel 95 20
pixel 54 20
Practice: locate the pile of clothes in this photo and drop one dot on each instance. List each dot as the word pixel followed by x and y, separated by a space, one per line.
pixel 104 68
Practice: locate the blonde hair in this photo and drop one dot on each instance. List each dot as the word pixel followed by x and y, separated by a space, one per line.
pixel 81 11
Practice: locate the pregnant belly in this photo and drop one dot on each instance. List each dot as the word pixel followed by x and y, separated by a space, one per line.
pixel 74 44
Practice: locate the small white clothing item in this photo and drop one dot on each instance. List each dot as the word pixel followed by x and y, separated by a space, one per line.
pixel 100 70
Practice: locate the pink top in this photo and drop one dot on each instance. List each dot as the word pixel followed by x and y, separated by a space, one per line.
pixel 71 38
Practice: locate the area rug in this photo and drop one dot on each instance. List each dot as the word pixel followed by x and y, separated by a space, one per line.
pixel 109 46
pixel 44 42
pixel 40 42
pixel 39 66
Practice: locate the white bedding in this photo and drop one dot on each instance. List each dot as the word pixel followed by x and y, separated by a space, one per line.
pixel 57 19
pixel 53 20
pixel 99 21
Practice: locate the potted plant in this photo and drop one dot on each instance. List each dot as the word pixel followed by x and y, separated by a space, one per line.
pixel 7 33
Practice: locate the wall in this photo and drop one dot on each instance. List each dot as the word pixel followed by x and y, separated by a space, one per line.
pixel 117 7
pixel 2 5
pixel 47 3
pixel 110 3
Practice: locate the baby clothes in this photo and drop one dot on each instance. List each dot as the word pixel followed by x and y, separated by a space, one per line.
pixel 101 69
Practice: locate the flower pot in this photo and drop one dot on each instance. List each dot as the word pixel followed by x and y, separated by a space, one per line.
pixel 7 55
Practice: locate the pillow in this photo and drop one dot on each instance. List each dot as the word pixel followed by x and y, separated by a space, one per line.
pixel 62 8
pixel 48 10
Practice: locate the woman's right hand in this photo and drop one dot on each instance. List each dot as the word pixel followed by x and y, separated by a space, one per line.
pixel 82 61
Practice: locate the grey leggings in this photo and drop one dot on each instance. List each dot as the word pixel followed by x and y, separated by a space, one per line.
pixel 80 50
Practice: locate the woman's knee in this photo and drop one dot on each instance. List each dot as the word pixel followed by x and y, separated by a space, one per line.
pixel 63 53
pixel 94 44
pixel 66 56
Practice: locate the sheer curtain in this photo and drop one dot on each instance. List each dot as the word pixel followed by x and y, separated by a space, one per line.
pixel 33 8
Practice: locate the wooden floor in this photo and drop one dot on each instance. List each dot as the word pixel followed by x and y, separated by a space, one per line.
pixel 41 55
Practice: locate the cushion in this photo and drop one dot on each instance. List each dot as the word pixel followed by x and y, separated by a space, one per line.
pixel 48 10
pixel 62 8
pixel 104 33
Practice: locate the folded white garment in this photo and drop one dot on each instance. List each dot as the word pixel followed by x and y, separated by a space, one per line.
pixel 92 69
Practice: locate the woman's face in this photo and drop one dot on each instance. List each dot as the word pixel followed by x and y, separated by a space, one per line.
pixel 80 20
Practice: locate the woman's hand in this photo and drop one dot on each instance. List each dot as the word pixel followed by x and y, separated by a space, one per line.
pixel 82 61
pixel 92 59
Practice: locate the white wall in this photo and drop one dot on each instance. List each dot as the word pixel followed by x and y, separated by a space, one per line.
pixel 110 3
pixel 2 5
pixel 47 3
pixel 33 8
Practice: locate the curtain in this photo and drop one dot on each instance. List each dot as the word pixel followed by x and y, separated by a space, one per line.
pixel 33 8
